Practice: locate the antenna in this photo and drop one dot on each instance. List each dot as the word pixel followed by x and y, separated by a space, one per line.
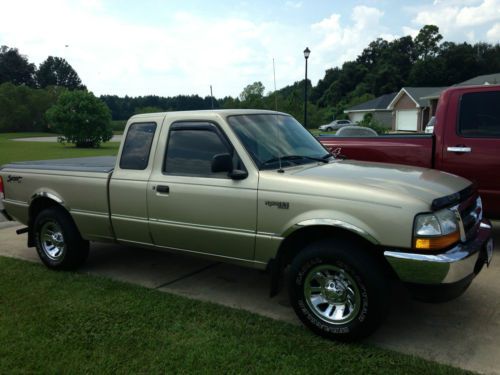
pixel 275 94
pixel 211 96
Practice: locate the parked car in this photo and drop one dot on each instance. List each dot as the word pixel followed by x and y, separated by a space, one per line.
pixel 465 141
pixel 429 128
pixel 335 125
pixel 214 184
pixel 356 131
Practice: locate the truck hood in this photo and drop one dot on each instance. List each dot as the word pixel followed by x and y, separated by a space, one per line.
pixel 380 181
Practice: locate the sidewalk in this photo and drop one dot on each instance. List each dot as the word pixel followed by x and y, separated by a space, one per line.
pixel 464 332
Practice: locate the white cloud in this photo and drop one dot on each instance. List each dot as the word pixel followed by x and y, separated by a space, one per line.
pixel 184 56
pixel 455 18
pixel 339 43
pixel 493 34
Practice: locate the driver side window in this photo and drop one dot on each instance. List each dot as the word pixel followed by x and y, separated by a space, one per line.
pixel 191 148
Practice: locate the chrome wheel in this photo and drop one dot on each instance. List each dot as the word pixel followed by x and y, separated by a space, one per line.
pixel 52 240
pixel 332 294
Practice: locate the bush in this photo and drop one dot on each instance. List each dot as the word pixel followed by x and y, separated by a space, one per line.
pixel 81 118
pixel 369 122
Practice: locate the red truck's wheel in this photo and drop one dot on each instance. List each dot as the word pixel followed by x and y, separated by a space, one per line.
pixel 58 241
pixel 338 291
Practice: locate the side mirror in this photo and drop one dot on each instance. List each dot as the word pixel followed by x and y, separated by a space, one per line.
pixel 224 163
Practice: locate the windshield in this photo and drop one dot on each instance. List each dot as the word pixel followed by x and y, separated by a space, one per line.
pixel 269 138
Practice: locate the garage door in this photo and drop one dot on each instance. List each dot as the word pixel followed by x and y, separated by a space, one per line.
pixel 407 120
pixel 356 117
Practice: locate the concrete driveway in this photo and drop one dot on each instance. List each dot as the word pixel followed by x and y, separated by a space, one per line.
pixel 463 333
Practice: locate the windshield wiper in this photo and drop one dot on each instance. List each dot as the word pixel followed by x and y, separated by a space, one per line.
pixel 295 157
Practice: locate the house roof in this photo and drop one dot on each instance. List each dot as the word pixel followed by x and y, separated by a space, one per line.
pixel 487 79
pixel 377 104
pixel 417 94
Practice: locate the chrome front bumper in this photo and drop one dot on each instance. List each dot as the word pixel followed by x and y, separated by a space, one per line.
pixel 465 260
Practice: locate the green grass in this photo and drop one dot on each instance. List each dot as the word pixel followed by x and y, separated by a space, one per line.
pixel 56 322
pixel 20 151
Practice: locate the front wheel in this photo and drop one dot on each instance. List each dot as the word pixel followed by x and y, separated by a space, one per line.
pixel 329 129
pixel 58 241
pixel 338 290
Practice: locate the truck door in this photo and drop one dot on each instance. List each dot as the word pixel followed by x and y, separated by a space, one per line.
pixel 472 148
pixel 129 183
pixel 193 209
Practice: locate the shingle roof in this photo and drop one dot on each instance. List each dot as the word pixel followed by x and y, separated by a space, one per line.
pixel 417 93
pixel 379 103
pixel 491 79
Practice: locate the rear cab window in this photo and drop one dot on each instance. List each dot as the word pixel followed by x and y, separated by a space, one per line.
pixel 479 115
pixel 137 146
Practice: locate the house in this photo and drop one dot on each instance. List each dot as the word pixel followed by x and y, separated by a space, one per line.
pixel 377 107
pixel 410 112
pixel 486 79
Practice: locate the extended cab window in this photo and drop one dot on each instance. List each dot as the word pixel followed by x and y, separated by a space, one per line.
pixel 480 115
pixel 191 148
pixel 137 146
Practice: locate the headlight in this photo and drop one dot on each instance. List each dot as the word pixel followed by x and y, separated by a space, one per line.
pixel 435 231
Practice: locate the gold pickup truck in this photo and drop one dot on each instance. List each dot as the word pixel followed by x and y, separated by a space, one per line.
pixel 255 188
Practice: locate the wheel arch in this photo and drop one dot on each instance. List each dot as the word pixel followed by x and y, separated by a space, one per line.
pixel 39 202
pixel 295 239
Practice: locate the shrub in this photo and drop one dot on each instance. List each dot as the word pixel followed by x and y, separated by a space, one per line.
pixel 81 118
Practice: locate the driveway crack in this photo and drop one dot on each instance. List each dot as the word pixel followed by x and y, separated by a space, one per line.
pixel 186 276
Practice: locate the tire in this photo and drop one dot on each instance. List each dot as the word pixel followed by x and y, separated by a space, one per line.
pixel 58 241
pixel 339 290
pixel 329 129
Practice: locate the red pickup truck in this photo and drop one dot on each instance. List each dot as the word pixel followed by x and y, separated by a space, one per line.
pixel 465 142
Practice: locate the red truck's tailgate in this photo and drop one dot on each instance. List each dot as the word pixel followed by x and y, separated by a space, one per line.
pixel 399 149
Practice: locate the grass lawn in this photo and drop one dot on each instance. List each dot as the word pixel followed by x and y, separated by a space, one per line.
pixel 19 151
pixel 57 322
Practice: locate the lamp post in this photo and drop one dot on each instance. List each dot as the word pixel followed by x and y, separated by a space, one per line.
pixel 307 52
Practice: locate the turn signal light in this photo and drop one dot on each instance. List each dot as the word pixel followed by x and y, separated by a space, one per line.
pixel 436 243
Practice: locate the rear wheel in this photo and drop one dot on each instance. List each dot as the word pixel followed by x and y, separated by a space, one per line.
pixel 58 241
pixel 338 290
pixel 329 129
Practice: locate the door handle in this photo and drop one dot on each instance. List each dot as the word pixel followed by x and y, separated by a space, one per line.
pixel 459 149
pixel 162 189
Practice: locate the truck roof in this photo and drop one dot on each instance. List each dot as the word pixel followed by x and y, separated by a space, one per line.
pixel 220 112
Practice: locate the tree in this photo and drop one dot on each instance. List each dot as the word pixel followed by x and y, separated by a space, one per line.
pixel 252 92
pixel 427 41
pixel 15 68
pixel 81 118
pixel 56 71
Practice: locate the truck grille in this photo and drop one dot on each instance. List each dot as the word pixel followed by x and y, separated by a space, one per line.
pixel 471 214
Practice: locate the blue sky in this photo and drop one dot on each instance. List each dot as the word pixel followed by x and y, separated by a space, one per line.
pixel 183 47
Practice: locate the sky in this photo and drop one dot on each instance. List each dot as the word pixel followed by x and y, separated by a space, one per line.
pixel 167 48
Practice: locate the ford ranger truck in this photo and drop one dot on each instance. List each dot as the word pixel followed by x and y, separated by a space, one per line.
pixel 254 188
pixel 465 142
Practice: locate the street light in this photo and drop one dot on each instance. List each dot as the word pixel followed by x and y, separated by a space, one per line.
pixel 307 52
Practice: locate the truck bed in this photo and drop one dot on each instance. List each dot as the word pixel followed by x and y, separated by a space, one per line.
pixel 99 164
pixel 409 149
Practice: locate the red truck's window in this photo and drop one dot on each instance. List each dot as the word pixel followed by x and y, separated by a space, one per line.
pixel 137 146
pixel 480 115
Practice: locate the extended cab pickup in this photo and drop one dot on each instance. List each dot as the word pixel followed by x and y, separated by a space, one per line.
pixel 257 189
pixel 466 142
